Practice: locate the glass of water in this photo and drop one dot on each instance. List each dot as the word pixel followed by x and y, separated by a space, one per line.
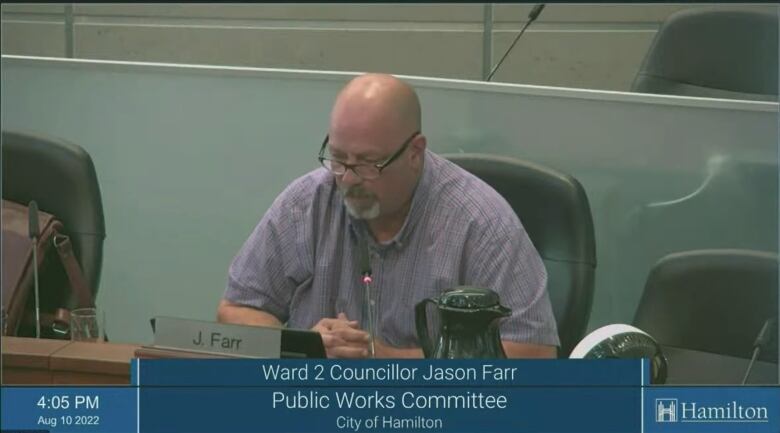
pixel 86 324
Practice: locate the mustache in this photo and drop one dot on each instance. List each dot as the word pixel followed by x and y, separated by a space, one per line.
pixel 356 192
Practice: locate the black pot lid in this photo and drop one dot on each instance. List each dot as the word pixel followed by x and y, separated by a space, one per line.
pixel 469 298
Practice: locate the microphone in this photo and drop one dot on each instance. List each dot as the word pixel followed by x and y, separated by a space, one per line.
pixel 763 337
pixel 365 263
pixel 532 16
pixel 368 300
pixel 34 232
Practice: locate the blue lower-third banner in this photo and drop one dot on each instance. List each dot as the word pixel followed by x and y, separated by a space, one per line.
pixel 69 409
pixel 712 409
pixel 468 396
pixel 461 410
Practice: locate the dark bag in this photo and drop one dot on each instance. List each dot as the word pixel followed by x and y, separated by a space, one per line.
pixel 61 283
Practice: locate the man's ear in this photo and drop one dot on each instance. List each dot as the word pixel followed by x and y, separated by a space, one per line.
pixel 418 146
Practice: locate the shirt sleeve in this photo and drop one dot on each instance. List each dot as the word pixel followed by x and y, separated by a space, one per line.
pixel 504 259
pixel 267 269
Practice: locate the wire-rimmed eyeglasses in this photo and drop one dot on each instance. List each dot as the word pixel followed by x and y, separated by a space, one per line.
pixel 365 171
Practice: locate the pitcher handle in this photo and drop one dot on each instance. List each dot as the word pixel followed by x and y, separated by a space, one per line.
pixel 421 319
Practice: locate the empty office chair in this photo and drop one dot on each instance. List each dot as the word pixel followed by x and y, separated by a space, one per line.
pixel 61 178
pixel 733 205
pixel 555 212
pixel 713 53
pixel 713 301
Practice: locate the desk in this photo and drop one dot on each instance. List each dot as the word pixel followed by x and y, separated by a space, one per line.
pixel 27 361
pixel 691 367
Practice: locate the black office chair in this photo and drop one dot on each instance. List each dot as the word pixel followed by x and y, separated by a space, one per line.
pixel 713 301
pixel 61 178
pixel 555 212
pixel 713 53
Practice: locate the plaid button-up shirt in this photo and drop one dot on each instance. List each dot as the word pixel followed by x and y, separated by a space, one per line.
pixel 302 261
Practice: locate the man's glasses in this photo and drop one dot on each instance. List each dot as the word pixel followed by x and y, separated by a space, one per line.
pixel 364 171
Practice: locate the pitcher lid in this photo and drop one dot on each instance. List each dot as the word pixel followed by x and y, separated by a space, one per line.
pixel 470 298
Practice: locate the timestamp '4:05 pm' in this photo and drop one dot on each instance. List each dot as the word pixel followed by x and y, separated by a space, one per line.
pixel 64 402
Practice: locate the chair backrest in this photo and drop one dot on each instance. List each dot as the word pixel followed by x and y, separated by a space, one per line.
pixel 711 300
pixel 555 212
pixel 61 178
pixel 728 54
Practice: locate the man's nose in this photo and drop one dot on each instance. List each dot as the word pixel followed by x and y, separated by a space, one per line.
pixel 350 178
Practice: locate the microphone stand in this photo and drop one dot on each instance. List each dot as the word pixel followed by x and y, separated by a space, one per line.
pixel 369 306
pixel 368 300
pixel 33 233
pixel 761 340
pixel 531 18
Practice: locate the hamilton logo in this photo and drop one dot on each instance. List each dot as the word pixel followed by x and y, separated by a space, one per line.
pixel 671 410
pixel 666 410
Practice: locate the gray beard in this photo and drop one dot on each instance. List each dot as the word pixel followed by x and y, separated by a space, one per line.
pixel 363 214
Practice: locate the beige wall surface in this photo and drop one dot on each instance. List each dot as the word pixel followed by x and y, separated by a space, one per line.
pixel 589 46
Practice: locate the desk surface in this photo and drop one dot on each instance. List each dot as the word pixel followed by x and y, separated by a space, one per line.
pixel 33 361
pixel 692 367
pixel 29 352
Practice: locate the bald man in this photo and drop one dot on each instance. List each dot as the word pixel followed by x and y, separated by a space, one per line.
pixel 425 224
